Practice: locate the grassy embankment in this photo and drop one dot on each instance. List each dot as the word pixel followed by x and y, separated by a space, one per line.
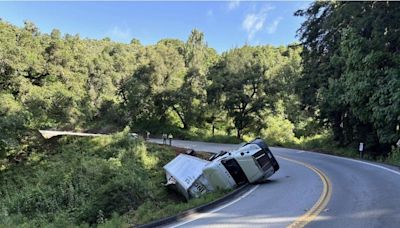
pixel 105 181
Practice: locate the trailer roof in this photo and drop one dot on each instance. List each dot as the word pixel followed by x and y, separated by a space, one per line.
pixel 185 169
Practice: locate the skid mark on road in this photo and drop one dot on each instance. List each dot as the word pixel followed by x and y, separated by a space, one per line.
pixel 321 203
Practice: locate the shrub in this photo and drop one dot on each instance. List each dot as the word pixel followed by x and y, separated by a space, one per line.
pixel 279 131
pixel 108 181
pixel 85 180
pixel 394 156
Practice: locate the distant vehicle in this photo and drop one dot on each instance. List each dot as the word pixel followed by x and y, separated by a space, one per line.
pixel 192 176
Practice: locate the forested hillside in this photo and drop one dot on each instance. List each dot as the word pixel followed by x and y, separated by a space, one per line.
pixel 343 78
pixel 337 87
pixel 54 82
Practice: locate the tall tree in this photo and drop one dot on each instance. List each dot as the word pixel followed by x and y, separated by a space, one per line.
pixel 191 99
pixel 149 92
pixel 242 83
pixel 349 57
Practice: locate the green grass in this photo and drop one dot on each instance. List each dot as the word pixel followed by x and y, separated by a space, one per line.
pixel 324 143
pixel 109 181
pixel 149 211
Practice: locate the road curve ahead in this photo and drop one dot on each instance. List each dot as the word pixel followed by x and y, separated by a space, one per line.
pixel 354 194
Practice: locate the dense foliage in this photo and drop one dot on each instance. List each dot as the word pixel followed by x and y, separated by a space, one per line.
pixel 82 181
pixel 351 77
pixel 65 82
pixel 343 78
pixel 108 181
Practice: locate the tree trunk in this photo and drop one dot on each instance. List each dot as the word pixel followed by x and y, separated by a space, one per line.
pixel 185 126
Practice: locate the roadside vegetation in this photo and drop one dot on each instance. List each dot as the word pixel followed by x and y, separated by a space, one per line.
pixel 91 181
pixel 336 88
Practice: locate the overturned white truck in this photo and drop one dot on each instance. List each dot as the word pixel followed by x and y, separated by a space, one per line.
pixel 192 176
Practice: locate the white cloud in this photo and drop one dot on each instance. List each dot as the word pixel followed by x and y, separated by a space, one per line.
pixel 271 28
pixel 254 22
pixel 120 34
pixel 233 4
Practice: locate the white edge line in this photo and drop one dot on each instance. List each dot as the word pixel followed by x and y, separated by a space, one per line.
pixel 216 209
pixel 367 163
pixel 350 159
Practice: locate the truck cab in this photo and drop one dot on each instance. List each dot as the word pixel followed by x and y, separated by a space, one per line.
pixel 193 176
pixel 250 163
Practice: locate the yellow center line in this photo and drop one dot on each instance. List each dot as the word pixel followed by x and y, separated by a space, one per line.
pixel 321 203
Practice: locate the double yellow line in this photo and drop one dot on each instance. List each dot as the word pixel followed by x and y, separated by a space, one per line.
pixel 323 200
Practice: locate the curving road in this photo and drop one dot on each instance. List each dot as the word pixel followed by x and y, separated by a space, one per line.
pixel 357 193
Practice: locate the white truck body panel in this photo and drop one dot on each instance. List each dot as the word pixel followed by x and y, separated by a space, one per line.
pixel 186 172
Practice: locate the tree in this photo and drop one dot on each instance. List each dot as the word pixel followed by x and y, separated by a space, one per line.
pixel 190 101
pixel 240 84
pixel 13 124
pixel 147 94
pixel 350 59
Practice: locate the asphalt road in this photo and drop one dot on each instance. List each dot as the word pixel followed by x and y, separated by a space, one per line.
pixel 362 194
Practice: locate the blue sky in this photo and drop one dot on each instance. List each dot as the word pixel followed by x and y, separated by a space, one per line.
pixel 226 24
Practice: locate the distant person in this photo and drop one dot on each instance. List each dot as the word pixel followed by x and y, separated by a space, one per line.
pixel 170 139
pixel 147 135
pixel 164 137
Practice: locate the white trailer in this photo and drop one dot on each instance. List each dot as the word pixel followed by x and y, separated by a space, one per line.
pixel 192 176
